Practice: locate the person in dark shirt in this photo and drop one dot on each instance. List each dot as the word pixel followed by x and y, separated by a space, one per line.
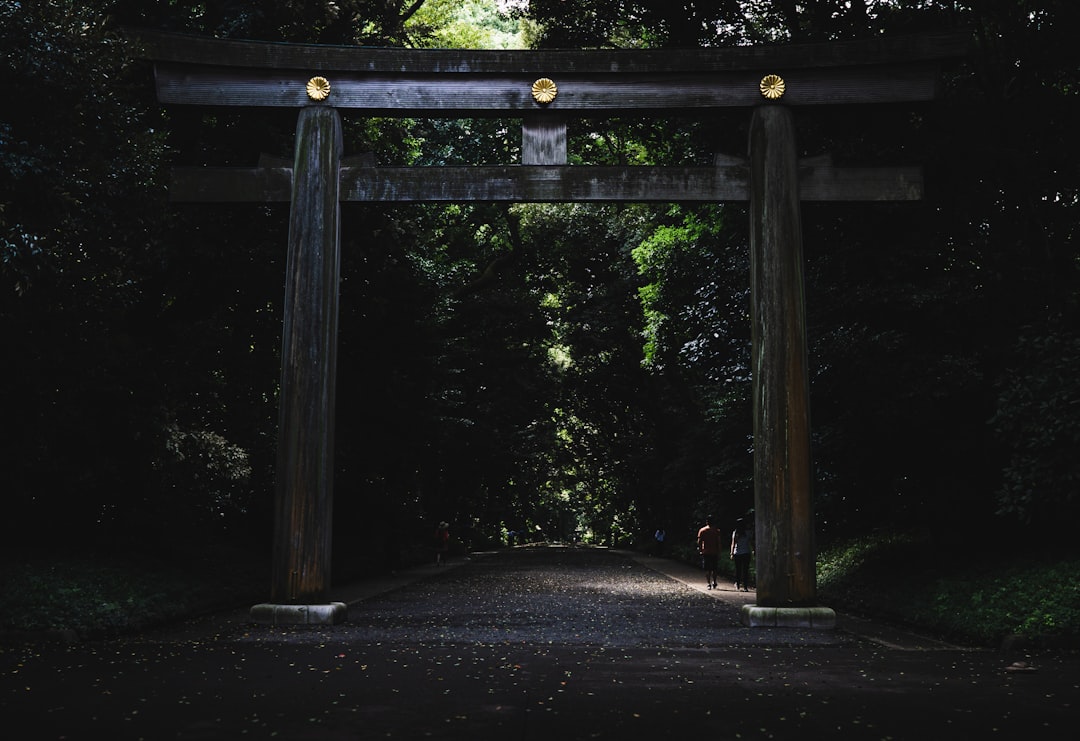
pixel 741 548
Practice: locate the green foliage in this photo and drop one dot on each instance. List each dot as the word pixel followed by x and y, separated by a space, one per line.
pixel 205 462
pixel 81 196
pixel 94 596
pixel 653 23
pixel 599 462
pixel 969 595
pixel 695 276
pixel 666 259
pixel 80 162
pixel 473 24
pixel 989 607
pixel 1037 419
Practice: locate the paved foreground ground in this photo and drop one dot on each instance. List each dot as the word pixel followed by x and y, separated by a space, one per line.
pixel 537 643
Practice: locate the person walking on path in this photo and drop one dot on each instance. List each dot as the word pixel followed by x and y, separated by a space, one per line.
pixel 442 542
pixel 659 536
pixel 708 542
pixel 741 549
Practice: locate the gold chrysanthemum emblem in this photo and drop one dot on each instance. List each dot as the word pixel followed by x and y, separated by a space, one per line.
pixel 318 88
pixel 772 86
pixel 544 90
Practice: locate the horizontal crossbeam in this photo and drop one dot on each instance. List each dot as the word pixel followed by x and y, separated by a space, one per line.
pixel 190 49
pixel 545 184
pixel 458 95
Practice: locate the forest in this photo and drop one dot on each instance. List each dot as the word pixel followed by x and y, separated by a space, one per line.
pixel 567 371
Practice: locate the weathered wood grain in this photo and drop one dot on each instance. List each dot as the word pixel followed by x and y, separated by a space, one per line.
pixel 544 184
pixel 202 50
pixel 543 140
pixel 783 514
pixel 462 95
pixel 305 460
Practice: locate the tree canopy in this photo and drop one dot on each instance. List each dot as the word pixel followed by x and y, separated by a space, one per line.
pixel 570 370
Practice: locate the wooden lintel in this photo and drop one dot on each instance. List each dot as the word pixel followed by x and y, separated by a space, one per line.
pixel 464 95
pixel 200 50
pixel 545 184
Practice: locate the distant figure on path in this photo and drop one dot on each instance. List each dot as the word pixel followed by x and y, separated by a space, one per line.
pixel 741 549
pixel 442 542
pixel 659 536
pixel 708 541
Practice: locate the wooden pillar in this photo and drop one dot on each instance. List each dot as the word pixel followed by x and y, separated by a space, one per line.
pixel 305 465
pixel 785 557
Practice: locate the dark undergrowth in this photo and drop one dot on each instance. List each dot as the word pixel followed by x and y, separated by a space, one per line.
pixel 970 596
pixel 89 595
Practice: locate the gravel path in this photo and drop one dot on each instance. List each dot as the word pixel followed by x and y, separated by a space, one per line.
pixel 530 644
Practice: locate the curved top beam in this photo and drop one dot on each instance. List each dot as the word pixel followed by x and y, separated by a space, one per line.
pixel 190 49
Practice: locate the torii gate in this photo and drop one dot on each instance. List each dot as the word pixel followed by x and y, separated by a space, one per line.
pixel 544 89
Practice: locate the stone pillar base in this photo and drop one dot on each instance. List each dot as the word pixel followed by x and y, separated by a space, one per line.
pixel 270 614
pixel 820 618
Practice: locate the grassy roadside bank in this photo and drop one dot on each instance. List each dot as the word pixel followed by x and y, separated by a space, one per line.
pixel 969 597
pixel 79 596
pixel 978 601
